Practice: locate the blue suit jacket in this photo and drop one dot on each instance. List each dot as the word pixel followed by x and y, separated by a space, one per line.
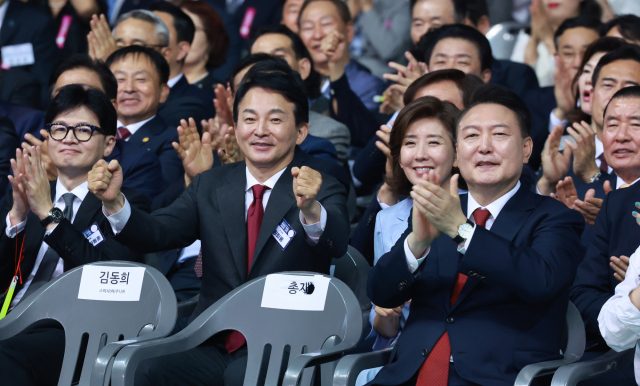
pixel 518 77
pixel 541 101
pixel 511 311
pixel 319 148
pixel 141 170
pixel 614 233
pixel 598 187
pixel 26 119
pixel 156 136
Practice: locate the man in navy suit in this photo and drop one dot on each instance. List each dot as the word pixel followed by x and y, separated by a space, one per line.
pixel 142 75
pixel 495 299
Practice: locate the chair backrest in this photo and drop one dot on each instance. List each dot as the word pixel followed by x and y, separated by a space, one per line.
pixel 576 336
pixel 282 334
pixel 89 325
pixel 502 38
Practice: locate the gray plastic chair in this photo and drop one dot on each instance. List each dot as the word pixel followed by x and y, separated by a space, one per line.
pixel 351 365
pixel 571 374
pixel 353 269
pixel 304 332
pixel 502 38
pixel 105 326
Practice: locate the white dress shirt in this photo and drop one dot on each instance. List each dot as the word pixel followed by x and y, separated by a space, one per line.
pixel 134 126
pixel 620 182
pixel 313 231
pixel 619 319
pixel 172 82
pixel 80 192
pixel 494 208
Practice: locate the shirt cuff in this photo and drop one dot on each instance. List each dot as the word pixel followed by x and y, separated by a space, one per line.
pixel 412 262
pixel 555 121
pixel 463 248
pixel 314 231
pixel 119 220
pixel 12 231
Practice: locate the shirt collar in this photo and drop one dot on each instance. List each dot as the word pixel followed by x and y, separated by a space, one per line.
pixel 599 147
pixel 620 182
pixel 495 207
pixel 79 191
pixel 270 183
pixel 172 82
pixel 134 126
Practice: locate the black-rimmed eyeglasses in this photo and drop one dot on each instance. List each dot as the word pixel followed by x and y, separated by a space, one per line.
pixel 82 133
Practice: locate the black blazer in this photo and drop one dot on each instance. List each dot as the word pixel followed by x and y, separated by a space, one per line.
pixel 8 145
pixel 212 209
pixel 26 119
pixel 614 233
pixel 19 87
pixel 141 170
pixel 182 88
pixel 156 136
pixel 541 101
pixel 518 77
pixel 512 309
pixel 66 238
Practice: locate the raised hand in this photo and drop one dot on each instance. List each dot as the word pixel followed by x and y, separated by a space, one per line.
pixel 619 265
pixel 196 155
pixel 306 185
pixel 555 165
pixel 231 152
pixel 20 208
pixel 393 96
pixel 565 97
pixel 36 183
pixel 635 214
pixel 385 194
pixel 566 192
pixel 406 74
pixel 442 207
pixel 105 181
pixel 590 207
pixel 223 103
pixel 101 42
pixel 333 46
pixel 584 150
pixel 52 171
pixel 424 232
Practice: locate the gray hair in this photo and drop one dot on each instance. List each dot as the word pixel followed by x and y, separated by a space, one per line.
pixel 161 30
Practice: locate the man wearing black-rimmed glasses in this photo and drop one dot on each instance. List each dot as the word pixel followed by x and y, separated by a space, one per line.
pixel 56 220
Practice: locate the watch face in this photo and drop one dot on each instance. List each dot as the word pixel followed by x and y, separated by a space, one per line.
pixel 465 230
pixel 56 215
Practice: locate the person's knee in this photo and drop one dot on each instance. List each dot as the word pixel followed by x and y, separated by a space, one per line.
pixel 234 373
pixel 148 373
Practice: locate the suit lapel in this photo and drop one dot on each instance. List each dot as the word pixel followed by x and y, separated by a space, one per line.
pixel 9 24
pixel 89 206
pixel 149 130
pixel 506 225
pixel 231 203
pixel 178 89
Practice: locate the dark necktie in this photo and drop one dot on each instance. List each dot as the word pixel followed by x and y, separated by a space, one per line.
pixel 123 133
pixel 235 340
pixel 435 369
pixel 604 166
pixel 51 257
pixel 198 266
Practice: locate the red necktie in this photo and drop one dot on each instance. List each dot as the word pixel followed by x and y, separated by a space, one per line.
pixel 123 133
pixel 435 369
pixel 604 166
pixel 198 266
pixel 235 340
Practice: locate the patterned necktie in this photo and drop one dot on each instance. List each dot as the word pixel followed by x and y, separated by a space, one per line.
pixel 198 266
pixel 123 133
pixel 435 369
pixel 604 166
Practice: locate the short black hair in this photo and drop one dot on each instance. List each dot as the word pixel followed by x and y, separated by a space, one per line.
pixel 590 8
pixel 245 62
pixel 428 41
pixel 81 61
pixel 74 96
pixel 466 83
pixel 312 83
pixel 276 75
pixel 626 52
pixel 584 21
pixel 628 26
pixel 185 29
pixel 472 9
pixel 500 95
pixel 626 92
pixel 158 61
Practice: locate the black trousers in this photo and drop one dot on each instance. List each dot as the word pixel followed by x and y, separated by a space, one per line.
pixel 206 365
pixel 33 357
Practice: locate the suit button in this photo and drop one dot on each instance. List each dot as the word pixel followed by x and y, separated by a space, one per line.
pixel 471 273
pixel 450 320
pixel 401 286
pixel 425 352
pixel 329 243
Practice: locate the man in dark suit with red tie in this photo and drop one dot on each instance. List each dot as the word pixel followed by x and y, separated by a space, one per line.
pixel 488 272
pixel 235 210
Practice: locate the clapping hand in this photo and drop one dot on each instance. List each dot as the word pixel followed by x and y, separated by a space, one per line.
pixel 386 194
pixel 555 165
pixel 101 42
pixel 566 192
pixel 223 140
pixel 635 214
pixel 619 265
pixel 196 155
pixel 406 74
pixel 584 150
pixel 20 207
pixel 35 183
pixel 52 171
pixel 591 205
pixel 223 102
pixel 424 231
pixel 306 185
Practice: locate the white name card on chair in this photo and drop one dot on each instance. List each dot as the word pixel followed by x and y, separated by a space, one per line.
pixel 295 292
pixel 111 283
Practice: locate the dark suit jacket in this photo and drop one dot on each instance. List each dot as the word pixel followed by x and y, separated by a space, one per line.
pixel 541 101
pixel 156 136
pixel 182 88
pixel 511 311
pixel 187 101
pixel 319 148
pixel 212 209
pixel 25 119
pixel 8 145
pixel 66 238
pixel 19 87
pixel 27 24
pixel 598 187
pixel 614 233
pixel 141 170
pixel 518 77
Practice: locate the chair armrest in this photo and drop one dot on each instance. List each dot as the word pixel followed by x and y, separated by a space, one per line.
pixel 186 308
pixel 350 366
pixel 104 360
pixel 302 361
pixel 576 372
pixel 529 372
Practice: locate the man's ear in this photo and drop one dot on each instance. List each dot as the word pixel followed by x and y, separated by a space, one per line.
pixel 183 50
pixel 110 143
pixel 528 149
pixel 303 131
pixel 164 92
pixel 305 68
pixel 484 24
pixel 486 75
pixel 166 52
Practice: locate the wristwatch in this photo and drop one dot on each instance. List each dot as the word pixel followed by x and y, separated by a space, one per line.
pixel 464 231
pixel 55 215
